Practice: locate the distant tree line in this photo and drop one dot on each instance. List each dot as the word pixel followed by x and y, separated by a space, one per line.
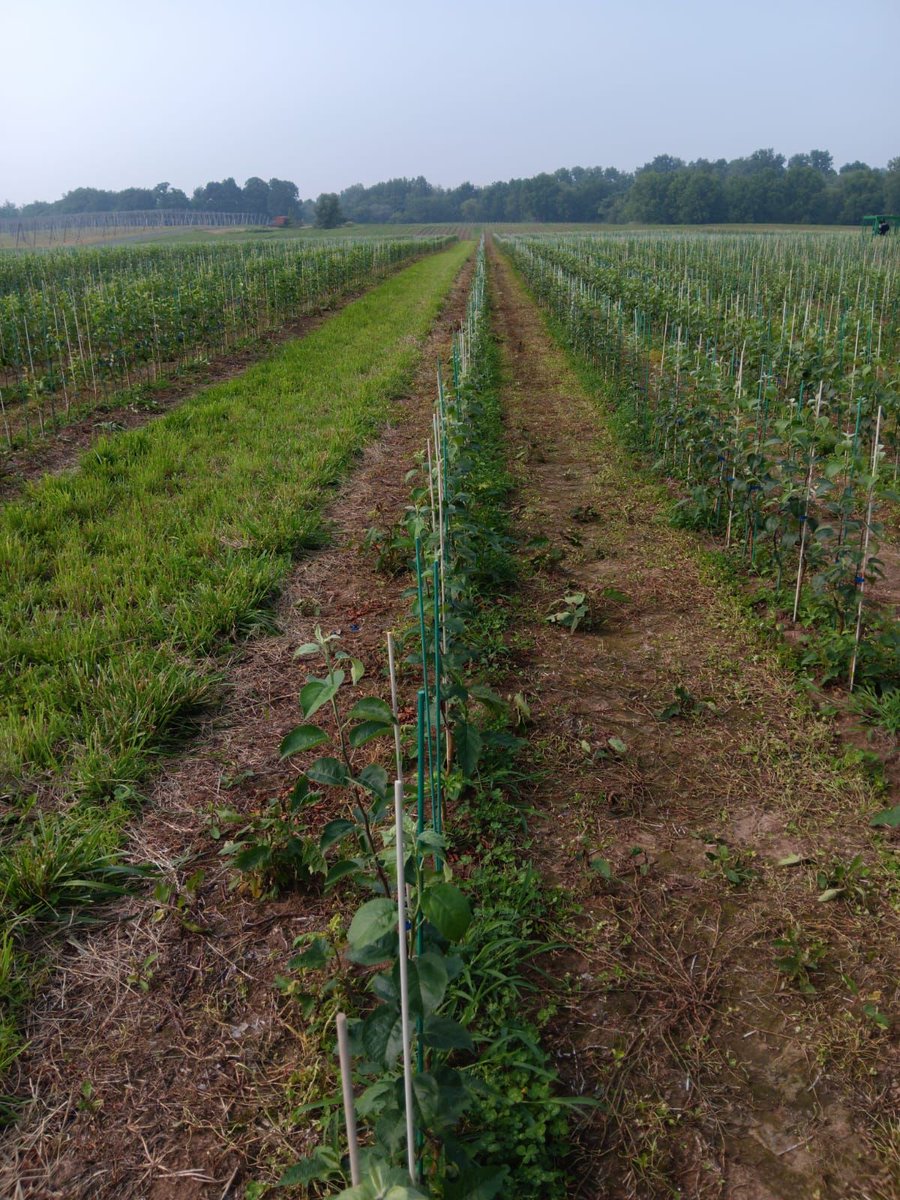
pixel 274 198
pixel 763 187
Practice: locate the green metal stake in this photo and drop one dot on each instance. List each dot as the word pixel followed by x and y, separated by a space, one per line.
pixel 437 815
pixel 422 717
pixel 420 587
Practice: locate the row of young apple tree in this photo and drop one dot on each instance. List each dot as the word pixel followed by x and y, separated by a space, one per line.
pixel 439 1066
pixel 762 374
pixel 77 326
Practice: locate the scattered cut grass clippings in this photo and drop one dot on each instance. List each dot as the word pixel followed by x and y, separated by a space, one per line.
pixel 120 580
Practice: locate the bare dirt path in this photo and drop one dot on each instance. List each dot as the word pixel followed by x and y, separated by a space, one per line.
pixel 163 1063
pixel 720 1075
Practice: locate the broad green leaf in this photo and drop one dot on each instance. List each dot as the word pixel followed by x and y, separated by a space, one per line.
pixel 335 831
pixel 432 978
pixel 429 840
pixel 357 670
pixel 382 1035
pixel 443 1033
pixel 603 867
pixel 313 958
pixel 346 866
pixel 889 817
pixel 371 922
pixel 427 1097
pixel 323 1163
pixel 366 731
pixel 300 793
pixel 371 708
pixel 448 910
pixel 374 779
pixel 383 1183
pixel 872 1012
pixel 328 771
pixel 467 744
pixel 374 1097
pixel 317 692
pixel 491 701
pixel 306 649
pixel 304 737
pixel 252 858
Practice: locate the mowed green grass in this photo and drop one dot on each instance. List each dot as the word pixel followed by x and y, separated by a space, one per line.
pixel 119 579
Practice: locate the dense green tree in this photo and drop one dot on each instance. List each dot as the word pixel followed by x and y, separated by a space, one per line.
pixel 223 197
pixel 651 199
pixel 664 164
pixel 861 191
pixel 892 186
pixel 255 195
pixel 283 198
pixel 821 161
pixel 698 198
pixel 168 197
pixel 804 198
pixel 328 211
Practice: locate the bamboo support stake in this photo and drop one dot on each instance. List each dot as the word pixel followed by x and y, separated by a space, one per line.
pixel 737 429
pixel 440 483
pixel 420 589
pixel 805 526
pixel 431 486
pixel 404 983
pixel 865 552
pixel 349 1107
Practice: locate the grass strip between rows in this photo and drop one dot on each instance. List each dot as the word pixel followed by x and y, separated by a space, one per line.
pixel 121 579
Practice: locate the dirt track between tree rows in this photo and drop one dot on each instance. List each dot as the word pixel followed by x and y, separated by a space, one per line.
pixel 718 1077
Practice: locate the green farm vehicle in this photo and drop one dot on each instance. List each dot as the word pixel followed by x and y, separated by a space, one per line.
pixel 882 225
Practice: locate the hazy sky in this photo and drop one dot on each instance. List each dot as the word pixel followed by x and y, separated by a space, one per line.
pixel 113 93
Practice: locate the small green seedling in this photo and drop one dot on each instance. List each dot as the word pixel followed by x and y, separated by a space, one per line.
pixel 142 976
pixel 585 514
pixel 178 902
pixel 684 705
pixel 799 958
pixel 574 613
pixel 849 881
pixel 732 863
pixel 88 1101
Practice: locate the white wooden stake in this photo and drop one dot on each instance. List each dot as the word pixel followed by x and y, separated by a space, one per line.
pixel 404 983
pixel 394 706
pixel 347 1090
